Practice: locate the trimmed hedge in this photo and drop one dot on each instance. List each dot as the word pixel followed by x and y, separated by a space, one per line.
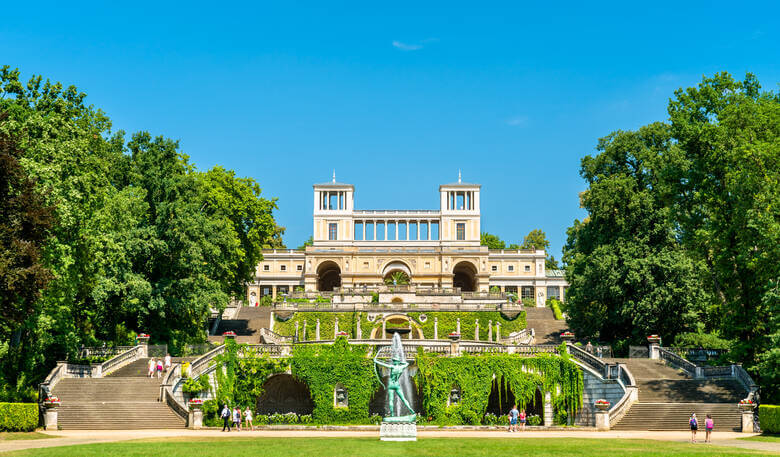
pixel 769 417
pixel 18 417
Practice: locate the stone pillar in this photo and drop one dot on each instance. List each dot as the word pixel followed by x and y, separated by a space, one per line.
pixel 653 351
pixel 273 292
pixel 548 409
pixel 359 331
pixel 50 418
pixel 271 322
pixel 195 420
pixel 384 329
pixel 317 331
pixel 457 329
pixel 602 420
pixel 498 332
pixel 304 331
pixel 143 341
pixel 336 328
pixel 490 330
pixel 747 421
pixel 454 348
pixel 476 329
pixel 435 328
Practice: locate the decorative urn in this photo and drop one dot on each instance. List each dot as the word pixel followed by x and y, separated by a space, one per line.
pixel 654 339
pixel 229 334
pixel 196 403
pixel 51 402
pixel 567 336
pixel 746 405
pixel 342 334
pixel 454 336
pixel 142 338
pixel 602 405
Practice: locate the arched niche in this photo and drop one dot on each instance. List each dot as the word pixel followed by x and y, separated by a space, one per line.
pixel 328 276
pixel 464 275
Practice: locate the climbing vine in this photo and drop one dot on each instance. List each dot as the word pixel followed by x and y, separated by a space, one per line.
pixel 474 376
pixel 321 367
pixel 240 374
pixel 347 323
pixel 448 323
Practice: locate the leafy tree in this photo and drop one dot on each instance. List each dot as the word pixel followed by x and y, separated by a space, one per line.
pixel 308 242
pixel 536 239
pixel 726 201
pixel 629 277
pixel 491 241
pixel 397 277
pixel 550 263
pixel 25 221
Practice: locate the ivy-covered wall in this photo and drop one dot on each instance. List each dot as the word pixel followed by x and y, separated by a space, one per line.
pixel 241 375
pixel 474 375
pixel 447 323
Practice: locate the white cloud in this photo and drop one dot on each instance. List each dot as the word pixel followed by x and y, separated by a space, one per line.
pixel 517 121
pixel 406 47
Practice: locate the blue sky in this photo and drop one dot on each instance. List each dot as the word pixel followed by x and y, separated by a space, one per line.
pixel 396 97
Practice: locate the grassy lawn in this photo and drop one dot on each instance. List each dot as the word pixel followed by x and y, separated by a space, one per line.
pixel 10 436
pixel 369 447
pixel 766 438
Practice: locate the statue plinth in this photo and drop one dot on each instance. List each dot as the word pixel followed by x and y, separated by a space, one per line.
pixel 398 431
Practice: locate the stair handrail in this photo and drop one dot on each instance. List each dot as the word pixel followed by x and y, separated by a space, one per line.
pixel 519 337
pixel 269 336
pixel 630 396
pixel 54 376
pixel 587 358
pixel 120 360
pixel 742 376
pixel 677 361
pixel 201 364
pixel 166 392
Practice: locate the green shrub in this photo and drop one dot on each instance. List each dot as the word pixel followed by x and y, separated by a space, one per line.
pixel 495 290
pixel 561 417
pixel 265 300
pixel 769 418
pixel 701 340
pixel 375 297
pixel 489 419
pixel 18 417
pixel 261 419
pixel 196 386
pixel 555 305
pixel 529 302
pixel 534 420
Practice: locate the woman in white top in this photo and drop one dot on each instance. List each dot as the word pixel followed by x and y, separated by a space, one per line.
pixel 167 362
pixel 152 366
pixel 248 418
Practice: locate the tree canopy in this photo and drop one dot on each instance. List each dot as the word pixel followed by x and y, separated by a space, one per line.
pixel 683 226
pixel 140 240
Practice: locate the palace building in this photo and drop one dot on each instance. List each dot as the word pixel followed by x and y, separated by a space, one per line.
pixel 435 249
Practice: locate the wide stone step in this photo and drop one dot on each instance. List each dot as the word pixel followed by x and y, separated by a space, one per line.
pixel 674 416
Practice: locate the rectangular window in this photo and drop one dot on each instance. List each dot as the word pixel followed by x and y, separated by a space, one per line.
pixel 283 267
pixel 282 290
pixel 494 268
pixel 423 230
pixel 333 202
pixel 380 231
pixel 265 291
pixel 510 268
pixel 402 231
pixel 427 264
pixel 460 201
pixel 460 231
pixel 554 292
pixel 358 231
pixel 413 231
pixel 266 267
pixel 299 268
pixel 434 231
pixel 332 231
pixel 527 292
pixel 391 235
pixel 369 231
pixel 511 289
pixel 528 268
pixel 365 265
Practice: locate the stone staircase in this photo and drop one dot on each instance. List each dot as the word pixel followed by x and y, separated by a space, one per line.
pixel 547 329
pixel 667 397
pixel 247 325
pixel 125 400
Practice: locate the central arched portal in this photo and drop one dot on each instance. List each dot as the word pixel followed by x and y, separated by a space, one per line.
pixel 396 273
pixel 464 275
pixel 284 394
pixel 328 276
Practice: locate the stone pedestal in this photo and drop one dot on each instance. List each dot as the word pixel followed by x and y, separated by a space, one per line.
pixel 747 421
pixel 653 351
pixel 143 341
pixel 398 431
pixel 602 421
pixel 196 419
pixel 50 419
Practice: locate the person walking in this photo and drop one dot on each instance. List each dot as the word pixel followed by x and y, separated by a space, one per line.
pixel 167 362
pixel 226 417
pixel 709 424
pixel 522 419
pixel 248 418
pixel 237 418
pixel 159 368
pixel 694 426
pixel 152 365
pixel 513 414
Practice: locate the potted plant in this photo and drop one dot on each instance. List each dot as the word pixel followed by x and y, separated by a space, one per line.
pixel 229 334
pixel 654 339
pixel 52 402
pixel 602 405
pixel 746 405
pixel 454 336
pixel 196 403
pixel 142 338
pixel 567 336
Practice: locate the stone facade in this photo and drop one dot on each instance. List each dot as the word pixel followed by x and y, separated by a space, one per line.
pixel 438 249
